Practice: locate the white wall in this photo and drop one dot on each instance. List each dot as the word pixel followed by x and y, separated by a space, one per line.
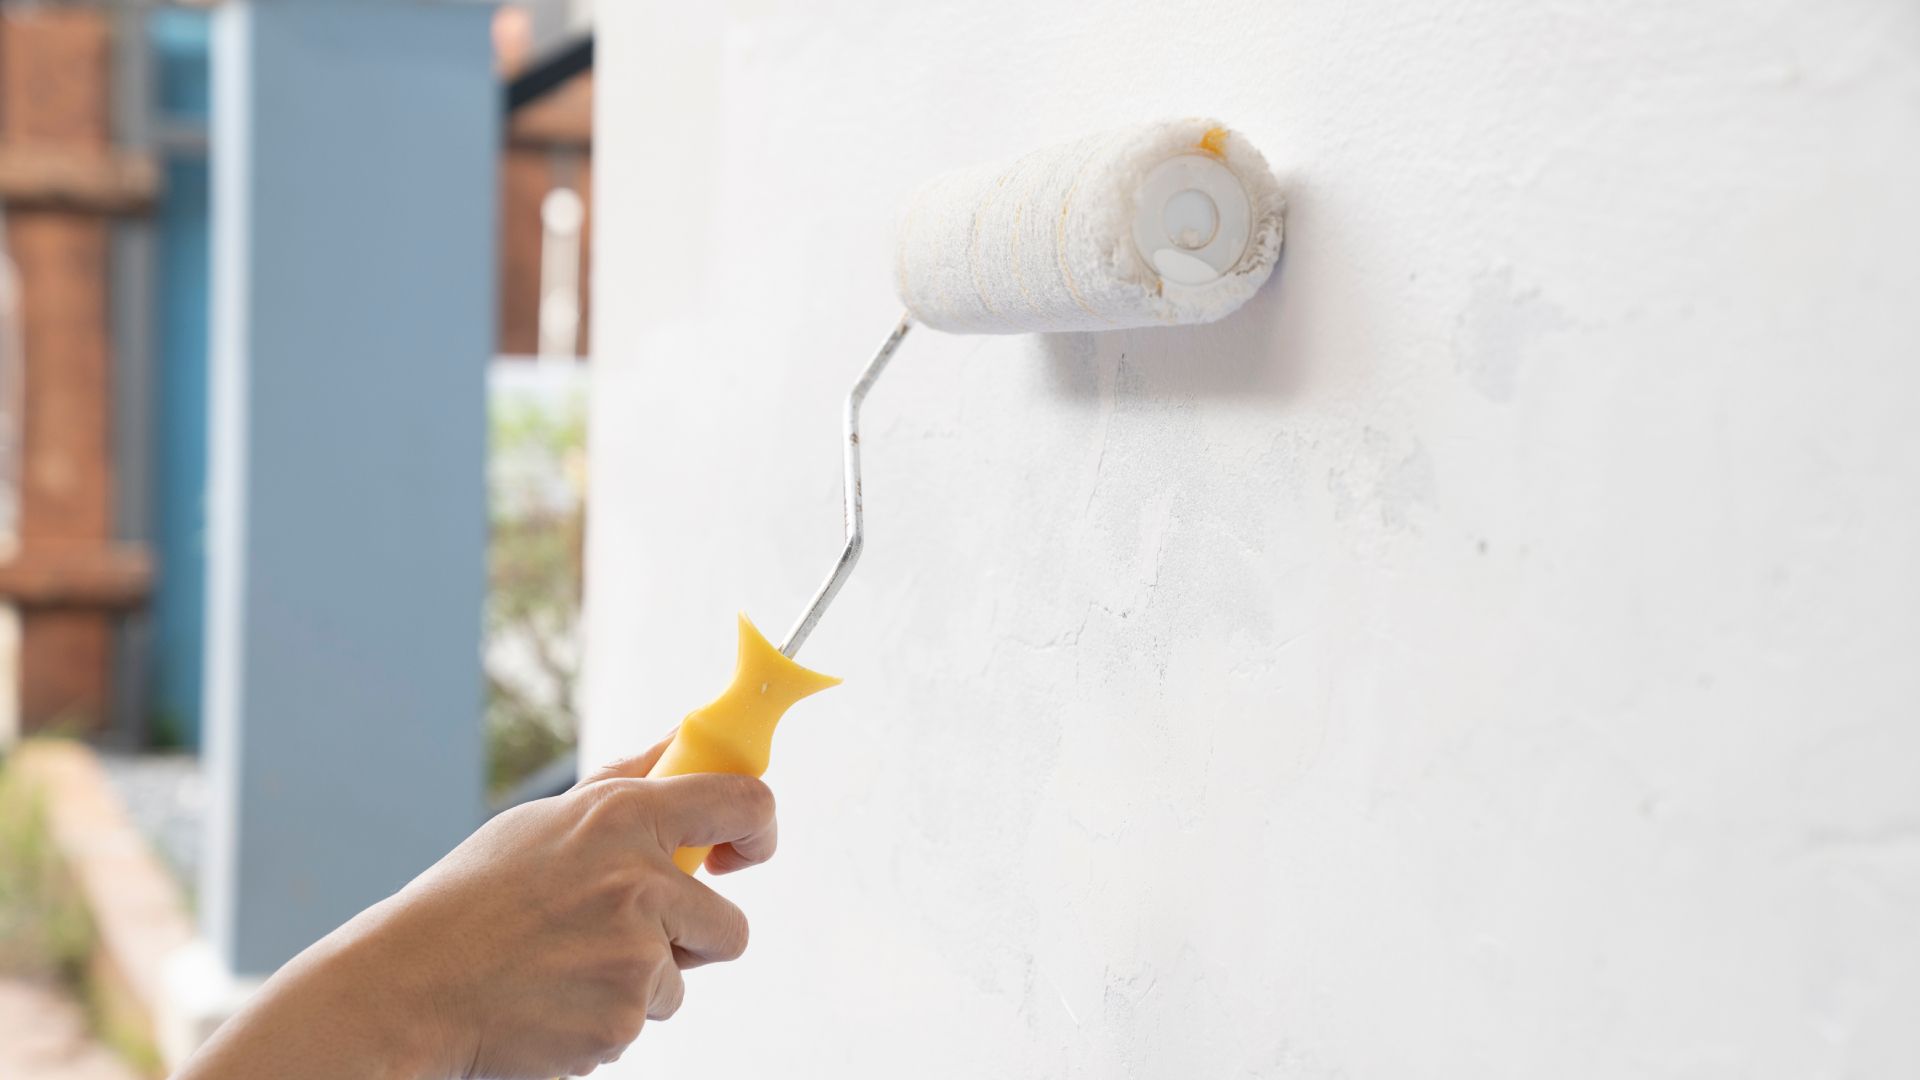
pixel 1489 654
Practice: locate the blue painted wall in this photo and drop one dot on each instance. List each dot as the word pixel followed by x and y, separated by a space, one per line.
pixel 179 40
pixel 354 157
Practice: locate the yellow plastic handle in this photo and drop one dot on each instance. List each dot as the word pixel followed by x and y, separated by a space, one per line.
pixel 734 732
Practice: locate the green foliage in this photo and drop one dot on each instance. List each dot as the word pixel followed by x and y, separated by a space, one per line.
pixel 166 730
pixel 125 1039
pixel 537 481
pixel 44 926
pixel 46 931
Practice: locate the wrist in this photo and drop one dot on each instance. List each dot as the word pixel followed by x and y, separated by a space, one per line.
pixel 376 1001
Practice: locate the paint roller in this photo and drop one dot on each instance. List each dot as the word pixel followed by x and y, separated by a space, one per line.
pixel 1163 224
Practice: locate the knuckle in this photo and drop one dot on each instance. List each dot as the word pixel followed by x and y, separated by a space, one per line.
pixel 648 891
pixel 667 993
pixel 649 964
pixel 613 805
pixel 593 805
pixel 621 1027
pixel 733 934
pixel 635 1020
pixel 652 958
pixel 753 795
pixel 632 796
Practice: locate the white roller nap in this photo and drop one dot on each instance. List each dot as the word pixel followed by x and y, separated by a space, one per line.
pixel 1160 224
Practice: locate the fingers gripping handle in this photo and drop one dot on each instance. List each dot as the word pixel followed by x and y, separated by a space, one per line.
pixel 734 732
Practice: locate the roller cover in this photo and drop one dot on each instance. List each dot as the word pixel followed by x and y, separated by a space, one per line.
pixel 1045 242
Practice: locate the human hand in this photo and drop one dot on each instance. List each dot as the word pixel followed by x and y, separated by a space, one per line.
pixel 541 945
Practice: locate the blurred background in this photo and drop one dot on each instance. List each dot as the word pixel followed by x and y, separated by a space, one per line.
pixel 1487 654
pixel 462 134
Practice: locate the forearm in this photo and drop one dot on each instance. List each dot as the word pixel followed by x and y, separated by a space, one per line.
pixel 337 1010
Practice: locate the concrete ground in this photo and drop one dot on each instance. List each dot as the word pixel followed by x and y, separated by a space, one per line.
pixel 165 798
pixel 43 1036
pixel 139 915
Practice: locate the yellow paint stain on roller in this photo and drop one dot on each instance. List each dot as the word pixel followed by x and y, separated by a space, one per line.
pixel 734 732
pixel 1060 243
pixel 1215 141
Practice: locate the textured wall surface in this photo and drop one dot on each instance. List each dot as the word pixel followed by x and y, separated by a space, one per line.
pixel 1489 654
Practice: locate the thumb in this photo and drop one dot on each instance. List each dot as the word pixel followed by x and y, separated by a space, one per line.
pixel 635 767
